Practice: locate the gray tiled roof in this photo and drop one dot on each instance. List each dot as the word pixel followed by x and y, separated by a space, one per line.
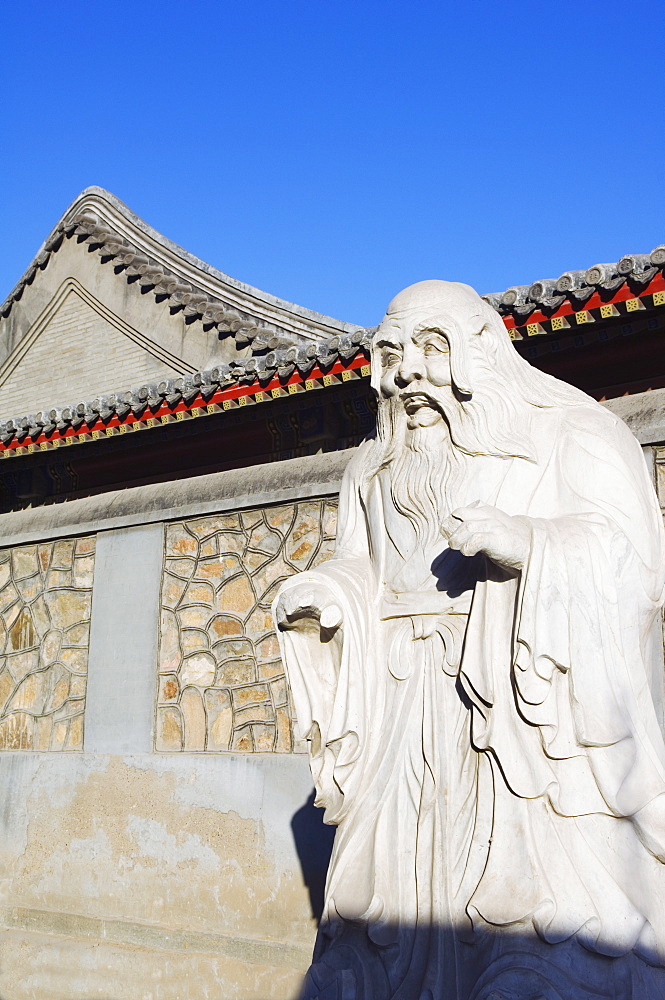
pixel 548 294
pixel 282 362
pixel 282 339
pixel 85 222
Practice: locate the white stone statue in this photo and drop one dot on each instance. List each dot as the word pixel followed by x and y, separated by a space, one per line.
pixel 476 670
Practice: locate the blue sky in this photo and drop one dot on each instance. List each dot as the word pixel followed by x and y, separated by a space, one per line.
pixel 334 152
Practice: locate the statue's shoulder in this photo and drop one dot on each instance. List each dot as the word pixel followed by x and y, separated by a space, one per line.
pixel 593 420
pixel 362 459
pixel 591 437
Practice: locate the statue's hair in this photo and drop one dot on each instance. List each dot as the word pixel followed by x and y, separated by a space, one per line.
pixel 492 383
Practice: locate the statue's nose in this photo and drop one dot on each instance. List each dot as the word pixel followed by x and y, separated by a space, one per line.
pixel 409 371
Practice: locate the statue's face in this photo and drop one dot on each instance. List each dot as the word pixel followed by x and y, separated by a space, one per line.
pixel 415 367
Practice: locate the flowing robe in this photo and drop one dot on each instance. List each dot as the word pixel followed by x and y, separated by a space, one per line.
pixel 483 746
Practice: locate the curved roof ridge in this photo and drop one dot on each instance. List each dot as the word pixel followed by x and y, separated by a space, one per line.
pixel 577 286
pixel 99 216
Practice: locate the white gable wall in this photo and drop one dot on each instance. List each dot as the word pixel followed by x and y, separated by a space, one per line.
pixel 57 348
pixel 78 350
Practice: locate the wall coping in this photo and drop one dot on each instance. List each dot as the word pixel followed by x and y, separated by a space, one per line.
pixel 644 412
pixel 315 476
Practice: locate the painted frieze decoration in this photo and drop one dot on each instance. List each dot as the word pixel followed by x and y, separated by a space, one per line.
pixel 221 680
pixel 45 604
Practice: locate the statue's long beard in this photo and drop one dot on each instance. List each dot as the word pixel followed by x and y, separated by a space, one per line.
pixel 425 470
pixel 423 483
pixel 428 466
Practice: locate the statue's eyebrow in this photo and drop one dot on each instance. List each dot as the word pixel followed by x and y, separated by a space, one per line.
pixel 429 331
pixel 387 342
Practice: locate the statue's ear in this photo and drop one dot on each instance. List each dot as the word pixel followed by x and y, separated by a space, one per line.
pixel 460 355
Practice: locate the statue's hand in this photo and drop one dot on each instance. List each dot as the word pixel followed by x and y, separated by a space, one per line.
pixel 505 539
pixel 305 604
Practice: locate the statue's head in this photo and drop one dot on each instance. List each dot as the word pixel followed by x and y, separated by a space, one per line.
pixel 442 356
pixel 425 348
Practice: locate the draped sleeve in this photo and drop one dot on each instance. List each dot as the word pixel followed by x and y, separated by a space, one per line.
pixel 559 661
pixel 332 693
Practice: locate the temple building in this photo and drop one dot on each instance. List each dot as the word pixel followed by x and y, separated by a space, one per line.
pixel 172 443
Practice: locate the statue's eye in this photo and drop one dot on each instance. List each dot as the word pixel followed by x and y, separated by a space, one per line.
pixel 389 358
pixel 434 347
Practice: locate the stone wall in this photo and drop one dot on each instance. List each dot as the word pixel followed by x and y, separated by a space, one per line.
pixel 129 870
pixel 221 682
pixel 45 605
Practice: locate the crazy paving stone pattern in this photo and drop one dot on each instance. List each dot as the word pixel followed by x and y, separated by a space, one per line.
pixel 221 683
pixel 45 600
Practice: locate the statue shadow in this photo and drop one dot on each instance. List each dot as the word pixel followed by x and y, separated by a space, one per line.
pixel 314 842
pixel 366 962
pixel 356 961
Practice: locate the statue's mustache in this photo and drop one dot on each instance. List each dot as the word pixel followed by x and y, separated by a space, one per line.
pixel 417 396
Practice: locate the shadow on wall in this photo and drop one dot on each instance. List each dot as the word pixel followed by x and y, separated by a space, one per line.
pixel 314 842
pixel 385 962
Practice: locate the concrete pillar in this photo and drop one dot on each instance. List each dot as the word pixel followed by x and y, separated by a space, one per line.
pixel 124 636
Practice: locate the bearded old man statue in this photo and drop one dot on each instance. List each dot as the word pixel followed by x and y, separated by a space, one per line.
pixel 476 670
